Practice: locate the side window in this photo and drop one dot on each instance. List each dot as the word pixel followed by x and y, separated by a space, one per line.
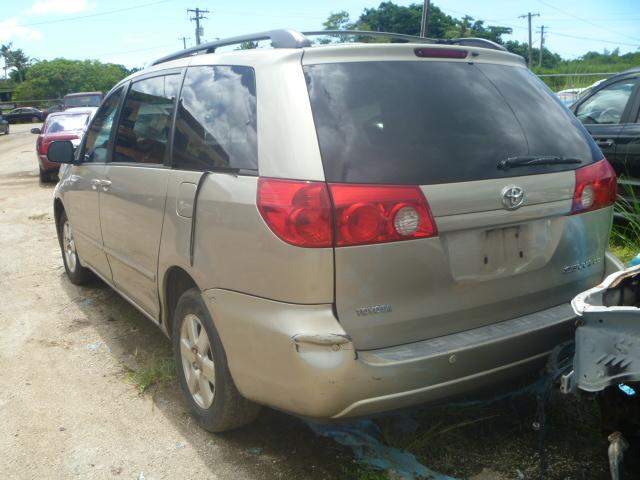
pixel 96 146
pixel 606 105
pixel 145 121
pixel 216 122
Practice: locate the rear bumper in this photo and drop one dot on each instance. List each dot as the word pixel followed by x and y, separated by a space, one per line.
pixel 298 358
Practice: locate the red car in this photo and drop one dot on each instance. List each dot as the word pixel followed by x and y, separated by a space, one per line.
pixel 67 125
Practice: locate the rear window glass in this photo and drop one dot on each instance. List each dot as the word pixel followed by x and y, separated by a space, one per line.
pixel 83 101
pixel 66 123
pixel 426 122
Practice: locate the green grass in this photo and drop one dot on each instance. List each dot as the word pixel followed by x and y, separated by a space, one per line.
pixel 157 371
pixel 625 234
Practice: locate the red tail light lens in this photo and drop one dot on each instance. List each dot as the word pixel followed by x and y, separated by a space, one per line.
pixel 301 213
pixel 297 212
pixel 44 146
pixel 596 187
pixel 376 214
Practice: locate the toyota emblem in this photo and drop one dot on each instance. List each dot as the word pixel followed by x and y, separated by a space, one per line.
pixel 512 197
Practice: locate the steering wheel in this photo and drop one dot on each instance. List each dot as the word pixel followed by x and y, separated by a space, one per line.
pixel 612 113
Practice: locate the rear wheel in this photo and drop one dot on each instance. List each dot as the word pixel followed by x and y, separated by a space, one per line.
pixel 203 372
pixel 78 274
pixel 45 176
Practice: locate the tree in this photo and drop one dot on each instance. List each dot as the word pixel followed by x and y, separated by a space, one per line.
pixel 247 46
pixel 338 21
pixel 20 62
pixel 56 78
pixel 389 17
pixel 4 53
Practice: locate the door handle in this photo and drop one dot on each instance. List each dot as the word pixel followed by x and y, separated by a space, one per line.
pixel 105 184
pixel 605 143
pixel 95 183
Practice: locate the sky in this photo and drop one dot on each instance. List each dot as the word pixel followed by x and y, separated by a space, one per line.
pixel 136 32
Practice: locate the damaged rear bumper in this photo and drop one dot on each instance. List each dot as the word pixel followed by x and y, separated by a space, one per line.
pixel 297 358
pixel 607 340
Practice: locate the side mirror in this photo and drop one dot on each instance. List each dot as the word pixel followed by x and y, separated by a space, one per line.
pixel 61 152
pixel 36 131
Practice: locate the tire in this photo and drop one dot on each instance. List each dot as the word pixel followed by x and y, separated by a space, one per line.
pixel 45 177
pixel 78 274
pixel 213 399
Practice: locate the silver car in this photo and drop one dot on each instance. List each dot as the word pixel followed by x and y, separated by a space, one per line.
pixel 339 230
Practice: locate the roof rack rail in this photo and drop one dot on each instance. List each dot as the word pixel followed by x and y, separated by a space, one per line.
pixel 465 41
pixel 293 39
pixel 279 39
pixel 366 33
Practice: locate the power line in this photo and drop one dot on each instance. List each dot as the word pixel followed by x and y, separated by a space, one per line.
pixel 637 45
pixel 80 17
pixel 586 21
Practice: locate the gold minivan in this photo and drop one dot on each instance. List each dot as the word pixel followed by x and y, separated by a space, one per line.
pixel 339 230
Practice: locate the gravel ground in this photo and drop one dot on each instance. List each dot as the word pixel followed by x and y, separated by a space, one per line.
pixel 70 407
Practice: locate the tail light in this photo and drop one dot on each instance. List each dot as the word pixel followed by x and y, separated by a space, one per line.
pixel 596 187
pixel 301 213
pixel 376 214
pixel 297 212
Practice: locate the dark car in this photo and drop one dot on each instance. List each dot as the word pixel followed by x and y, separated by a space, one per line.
pixel 24 114
pixel 4 126
pixel 67 125
pixel 54 108
pixel 611 113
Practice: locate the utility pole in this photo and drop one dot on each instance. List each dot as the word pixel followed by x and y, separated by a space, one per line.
pixel 424 26
pixel 199 16
pixel 184 41
pixel 541 44
pixel 528 16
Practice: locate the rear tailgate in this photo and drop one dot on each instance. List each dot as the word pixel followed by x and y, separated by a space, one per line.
pixel 445 126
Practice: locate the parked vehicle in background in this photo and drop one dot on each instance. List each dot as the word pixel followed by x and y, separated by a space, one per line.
pixel 83 99
pixel 610 112
pixel 568 96
pixel 339 230
pixel 54 108
pixel 68 125
pixel 24 115
pixel 4 125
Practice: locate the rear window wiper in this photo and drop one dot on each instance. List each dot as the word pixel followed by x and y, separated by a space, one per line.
pixel 513 162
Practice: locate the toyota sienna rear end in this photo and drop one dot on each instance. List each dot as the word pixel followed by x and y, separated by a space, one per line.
pixel 465 207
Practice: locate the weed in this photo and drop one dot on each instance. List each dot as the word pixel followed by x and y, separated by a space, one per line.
pixel 625 234
pixel 39 216
pixel 156 371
